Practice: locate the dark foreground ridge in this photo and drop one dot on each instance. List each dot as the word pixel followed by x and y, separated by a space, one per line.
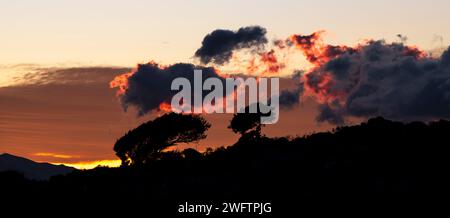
pixel 379 160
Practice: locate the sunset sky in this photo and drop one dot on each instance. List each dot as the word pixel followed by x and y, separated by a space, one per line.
pixel 57 58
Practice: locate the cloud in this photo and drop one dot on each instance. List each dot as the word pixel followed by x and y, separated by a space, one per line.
pixel 290 98
pixel 314 49
pixel 218 46
pixel 49 154
pixel 149 85
pixel 381 79
pixel 373 78
pixel 74 75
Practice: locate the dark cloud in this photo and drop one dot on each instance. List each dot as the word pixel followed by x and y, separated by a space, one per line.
pixel 218 46
pixel 150 84
pixel 291 97
pixel 327 113
pixel 445 58
pixel 380 79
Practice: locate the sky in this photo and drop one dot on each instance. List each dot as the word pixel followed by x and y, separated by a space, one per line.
pixel 122 33
pixel 73 117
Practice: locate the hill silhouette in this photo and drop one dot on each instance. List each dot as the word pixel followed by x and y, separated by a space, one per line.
pixel 375 158
pixel 31 169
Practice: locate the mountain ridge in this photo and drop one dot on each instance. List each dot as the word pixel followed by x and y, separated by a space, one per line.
pixel 31 169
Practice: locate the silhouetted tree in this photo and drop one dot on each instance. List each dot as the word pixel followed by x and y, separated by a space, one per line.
pixel 191 154
pixel 247 124
pixel 146 142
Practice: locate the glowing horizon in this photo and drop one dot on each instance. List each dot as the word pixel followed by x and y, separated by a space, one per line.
pixel 92 164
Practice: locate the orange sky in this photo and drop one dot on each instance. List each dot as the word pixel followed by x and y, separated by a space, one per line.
pixel 55 103
pixel 78 118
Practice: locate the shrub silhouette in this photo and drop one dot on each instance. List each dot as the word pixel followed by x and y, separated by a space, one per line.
pixel 145 143
pixel 247 124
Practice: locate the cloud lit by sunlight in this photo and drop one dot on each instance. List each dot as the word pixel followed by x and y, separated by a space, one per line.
pixel 46 154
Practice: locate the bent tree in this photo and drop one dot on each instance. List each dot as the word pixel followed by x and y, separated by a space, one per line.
pixel 146 143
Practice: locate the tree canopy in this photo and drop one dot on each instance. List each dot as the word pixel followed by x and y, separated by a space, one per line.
pixel 246 123
pixel 146 142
